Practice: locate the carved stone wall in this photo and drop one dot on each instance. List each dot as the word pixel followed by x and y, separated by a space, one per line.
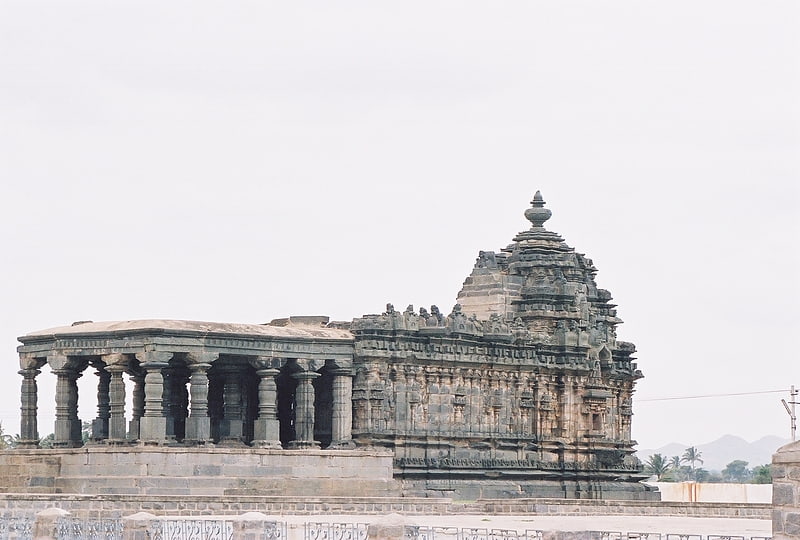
pixel 525 378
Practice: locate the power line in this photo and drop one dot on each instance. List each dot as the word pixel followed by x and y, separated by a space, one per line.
pixel 713 395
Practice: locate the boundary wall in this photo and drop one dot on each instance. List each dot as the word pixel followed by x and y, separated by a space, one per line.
pixel 706 492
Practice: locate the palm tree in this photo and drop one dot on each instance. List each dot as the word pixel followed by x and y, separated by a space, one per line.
pixel 657 464
pixel 675 463
pixel 692 455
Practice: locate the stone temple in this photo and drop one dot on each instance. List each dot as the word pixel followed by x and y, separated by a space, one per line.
pixel 521 390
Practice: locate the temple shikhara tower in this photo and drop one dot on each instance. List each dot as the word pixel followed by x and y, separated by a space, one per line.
pixel 523 387
pixel 522 390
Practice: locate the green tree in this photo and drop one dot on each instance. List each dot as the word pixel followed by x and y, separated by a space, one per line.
pixel 47 442
pixel 714 478
pixel 736 471
pixel 762 474
pixel 691 456
pixel 6 441
pixel 656 465
pixel 701 475
pixel 86 431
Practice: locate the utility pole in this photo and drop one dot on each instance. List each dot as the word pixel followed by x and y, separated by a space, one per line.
pixel 791 410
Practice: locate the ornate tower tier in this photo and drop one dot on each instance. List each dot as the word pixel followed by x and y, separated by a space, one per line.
pixel 542 282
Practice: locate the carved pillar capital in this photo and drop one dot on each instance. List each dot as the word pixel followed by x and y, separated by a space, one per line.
pixel 61 362
pixel 30 363
pixel 305 375
pixel 267 362
pixel 30 373
pixel 201 358
pixel 115 361
pixel 200 367
pixel 342 371
pixel 309 364
pixel 156 359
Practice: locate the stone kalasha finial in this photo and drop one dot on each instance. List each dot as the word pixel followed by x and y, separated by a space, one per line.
pixel 537 214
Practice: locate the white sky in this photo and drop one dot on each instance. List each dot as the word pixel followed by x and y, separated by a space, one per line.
pixel 247 161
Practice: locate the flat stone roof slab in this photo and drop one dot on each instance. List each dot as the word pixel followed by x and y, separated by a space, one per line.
pixel 171 326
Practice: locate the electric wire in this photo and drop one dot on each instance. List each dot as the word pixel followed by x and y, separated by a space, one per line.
pixel 639 400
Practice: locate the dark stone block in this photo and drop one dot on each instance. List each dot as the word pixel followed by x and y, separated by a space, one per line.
pixel 43 481
pixel 791 524
pixel 207 470
pixel 777 521
pixel 783 495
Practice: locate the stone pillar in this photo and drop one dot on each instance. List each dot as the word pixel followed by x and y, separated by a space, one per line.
pixel 255 526
pixel 137 406
pixel 231 426
pixel 342 425
pixel 390 527
pixel 198 425
pixel 45 525
pixel 304 411
pixel 76 431
pixel 140 526
pixel 267 429
pixel 100 424
pixel 153 425
pixel 166 403
pixel 179 402
pixel 28 429
pixel 66 405
pixel 66 402
pixel 115 366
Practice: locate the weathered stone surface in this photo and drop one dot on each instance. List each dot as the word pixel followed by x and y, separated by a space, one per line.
pixel 201 471
pixel 785 490
pixel 522 390
pixel 783 494
pixel 524 380
pixel 390 527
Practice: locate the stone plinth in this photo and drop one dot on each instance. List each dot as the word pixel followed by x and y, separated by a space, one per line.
pixel 146 470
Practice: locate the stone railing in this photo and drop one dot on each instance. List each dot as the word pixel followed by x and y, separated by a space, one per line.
pixel 57 524
pixel 20 506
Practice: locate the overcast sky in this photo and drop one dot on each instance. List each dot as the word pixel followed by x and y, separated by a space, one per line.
pixel 246 161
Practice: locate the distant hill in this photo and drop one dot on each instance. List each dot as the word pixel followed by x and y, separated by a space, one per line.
pixel 727 448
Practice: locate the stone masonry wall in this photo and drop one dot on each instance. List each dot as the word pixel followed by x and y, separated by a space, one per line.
pixel 206 471
pixel 786 492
